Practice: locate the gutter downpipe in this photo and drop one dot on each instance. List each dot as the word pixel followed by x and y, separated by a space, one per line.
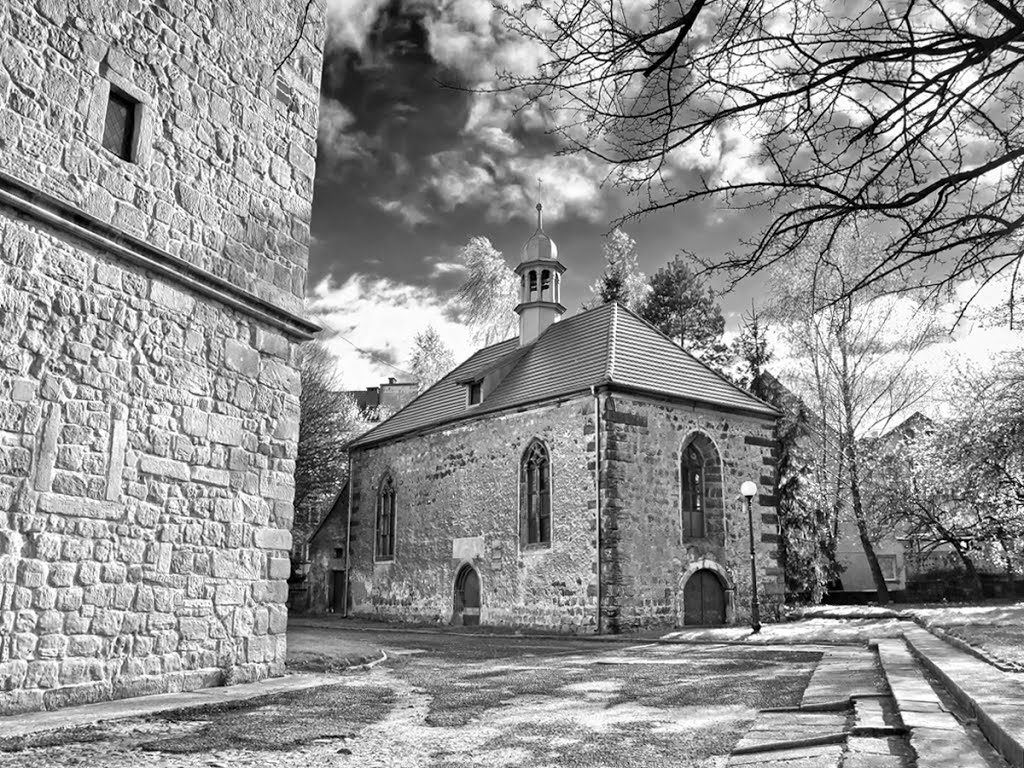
pixel 348 539
pixel 597 489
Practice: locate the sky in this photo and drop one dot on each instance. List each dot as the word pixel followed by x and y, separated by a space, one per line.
pixel 415 158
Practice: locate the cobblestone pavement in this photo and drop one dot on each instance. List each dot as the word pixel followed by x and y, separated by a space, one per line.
pixel 444 701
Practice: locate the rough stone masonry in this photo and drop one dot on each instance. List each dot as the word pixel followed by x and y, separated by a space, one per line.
pixel 149 314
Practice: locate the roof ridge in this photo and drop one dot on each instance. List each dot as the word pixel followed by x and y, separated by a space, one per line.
pixel 692 356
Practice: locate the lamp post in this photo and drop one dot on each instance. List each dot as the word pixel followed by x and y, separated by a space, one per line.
pixel 749 490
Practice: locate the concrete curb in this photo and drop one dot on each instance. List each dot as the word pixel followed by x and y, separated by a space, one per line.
pixel 966 647
pixel 993 716
pixel 779 746
pixel 18 726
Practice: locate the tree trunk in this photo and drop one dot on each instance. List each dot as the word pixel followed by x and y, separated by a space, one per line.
pixel 855 497
pixel 973 579
pixel 1009 566
pixel 862 529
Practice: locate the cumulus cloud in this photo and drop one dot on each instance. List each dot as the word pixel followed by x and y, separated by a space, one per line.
pixel 407 212
pixel 381 317
pixel 338 139
pixel 507 186
pixel 469 38
pixel 349 23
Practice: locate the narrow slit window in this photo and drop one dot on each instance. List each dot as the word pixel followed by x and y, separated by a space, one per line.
pixel 476 392
pixel 385 528
pixel 119 127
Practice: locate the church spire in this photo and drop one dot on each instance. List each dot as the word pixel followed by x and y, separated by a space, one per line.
pixel 540 204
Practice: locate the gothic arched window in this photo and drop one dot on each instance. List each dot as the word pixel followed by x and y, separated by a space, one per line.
pixel 535 495
pixel 693 496
pixel 384 541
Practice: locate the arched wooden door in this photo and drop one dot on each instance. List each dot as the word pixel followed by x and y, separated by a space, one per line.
pixel 703 599
pixel 467 597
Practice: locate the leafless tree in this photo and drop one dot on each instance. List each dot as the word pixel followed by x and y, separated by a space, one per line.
pixel 853 354
pixel 904 116
pixel 489 293
pixel 329 418
pixel 431 358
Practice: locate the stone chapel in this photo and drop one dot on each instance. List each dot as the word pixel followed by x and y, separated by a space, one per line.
pixel 582 477
pixel 156 180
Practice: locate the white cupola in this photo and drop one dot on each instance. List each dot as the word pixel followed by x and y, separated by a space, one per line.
pixel 540 277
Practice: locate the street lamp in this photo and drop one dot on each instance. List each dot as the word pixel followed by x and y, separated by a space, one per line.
pixel 749 490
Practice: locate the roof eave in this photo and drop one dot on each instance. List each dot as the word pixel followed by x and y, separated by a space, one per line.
pixel 466 418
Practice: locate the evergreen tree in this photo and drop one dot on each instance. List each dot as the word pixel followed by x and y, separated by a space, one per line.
pixel 752 350
pixel 684 309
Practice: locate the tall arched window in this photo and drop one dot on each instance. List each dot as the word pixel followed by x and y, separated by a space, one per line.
pixel 535 495
pixel 384 546
pixel 693 495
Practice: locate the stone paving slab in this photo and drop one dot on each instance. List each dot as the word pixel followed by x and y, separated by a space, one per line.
pixel 141 706
pixel 936 736
pixel 874 753
pixel 995 697
pixel 775 727
pixel 869 714
pixel 841 674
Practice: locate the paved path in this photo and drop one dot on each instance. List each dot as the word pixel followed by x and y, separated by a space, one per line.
pixel 454 699
pixel 444 701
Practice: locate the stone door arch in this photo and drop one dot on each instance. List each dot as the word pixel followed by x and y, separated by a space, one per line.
pixel 466 609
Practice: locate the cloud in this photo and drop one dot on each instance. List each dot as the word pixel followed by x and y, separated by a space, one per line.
pixel 349 23
pixel 506 186
pixel 442 268
pixel 470 38
pixel 381 317
pixel 407 212
pixel 338 139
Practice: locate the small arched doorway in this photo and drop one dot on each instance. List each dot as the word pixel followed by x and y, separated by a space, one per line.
pixel 467 597
pixel 703 599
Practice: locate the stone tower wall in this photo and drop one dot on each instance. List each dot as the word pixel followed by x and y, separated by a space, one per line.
pixel 148 386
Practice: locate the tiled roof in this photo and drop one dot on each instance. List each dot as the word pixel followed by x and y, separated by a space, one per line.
pixel 607 345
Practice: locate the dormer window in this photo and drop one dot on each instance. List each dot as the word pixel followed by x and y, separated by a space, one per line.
pixel 475 391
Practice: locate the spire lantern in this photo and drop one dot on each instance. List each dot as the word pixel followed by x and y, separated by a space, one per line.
pixel 540 275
